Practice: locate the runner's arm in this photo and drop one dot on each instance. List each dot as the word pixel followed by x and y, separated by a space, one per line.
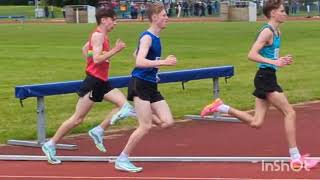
pixel 142 62
pixel 97 47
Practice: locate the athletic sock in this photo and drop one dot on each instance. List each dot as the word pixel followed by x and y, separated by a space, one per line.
pixel 125 105
pixel 98 130
pixel 294 153
pixel 223 108
pixel 51 143
pixel 123 157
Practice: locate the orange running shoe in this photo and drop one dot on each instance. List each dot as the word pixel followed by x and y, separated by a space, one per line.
pixel 303 162
pixel 211 108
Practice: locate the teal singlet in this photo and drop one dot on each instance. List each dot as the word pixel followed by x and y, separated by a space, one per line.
pixel 270 51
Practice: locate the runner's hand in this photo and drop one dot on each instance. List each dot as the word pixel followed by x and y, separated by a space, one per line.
pixel 119 45
pixel 289 59
pixel 171 60
pixel 281 62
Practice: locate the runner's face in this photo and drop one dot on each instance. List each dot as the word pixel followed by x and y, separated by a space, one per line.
pixel 161 19
pixel 109 23
pixel 280 14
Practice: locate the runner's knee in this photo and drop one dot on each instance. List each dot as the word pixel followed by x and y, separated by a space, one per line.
pixel 76 120
pixel 167 123
pixel 145 128
pixel 290 113
pixel 256 124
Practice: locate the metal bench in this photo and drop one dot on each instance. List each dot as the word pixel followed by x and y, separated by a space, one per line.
pixel 40 91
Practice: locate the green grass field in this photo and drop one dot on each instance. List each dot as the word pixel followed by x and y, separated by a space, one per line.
pixel 42 53
pixel 27 11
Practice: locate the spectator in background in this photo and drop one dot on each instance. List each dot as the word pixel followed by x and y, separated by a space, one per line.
pixel 196 9
pixel 294 6
pixel 46 11
pixel 179 9
pixel 209 6
pixel 185 6
pixel 191 9
pixel 170 10
pixel 202 8
pixel 105 4
pixel 176 7
pixel 142 11
pixel 286 7
pixel 63 12
pixel 216 7
pixel 319 7
pixel 132 11
pixel 52 13
pixel 308 10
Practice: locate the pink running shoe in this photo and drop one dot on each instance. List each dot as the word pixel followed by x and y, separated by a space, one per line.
pixel 303 162
pixel 211 108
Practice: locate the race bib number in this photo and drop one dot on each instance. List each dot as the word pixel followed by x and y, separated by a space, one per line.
pixel 276 53
pixel 157 77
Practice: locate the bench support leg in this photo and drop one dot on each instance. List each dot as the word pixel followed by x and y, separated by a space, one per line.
pixel 41 120
pixel 41 130
pixel 216 116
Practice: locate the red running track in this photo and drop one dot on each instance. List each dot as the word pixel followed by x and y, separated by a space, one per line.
pixel 191 138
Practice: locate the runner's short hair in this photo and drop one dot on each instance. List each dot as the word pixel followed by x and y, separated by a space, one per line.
pixel 104 12
pixel 271 5
pixel 153 8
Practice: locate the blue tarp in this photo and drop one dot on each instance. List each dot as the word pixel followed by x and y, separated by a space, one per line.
pixel 48 89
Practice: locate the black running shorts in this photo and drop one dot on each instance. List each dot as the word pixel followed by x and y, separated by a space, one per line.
pixel 145 90
pixel 96 87
pixel 265 82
